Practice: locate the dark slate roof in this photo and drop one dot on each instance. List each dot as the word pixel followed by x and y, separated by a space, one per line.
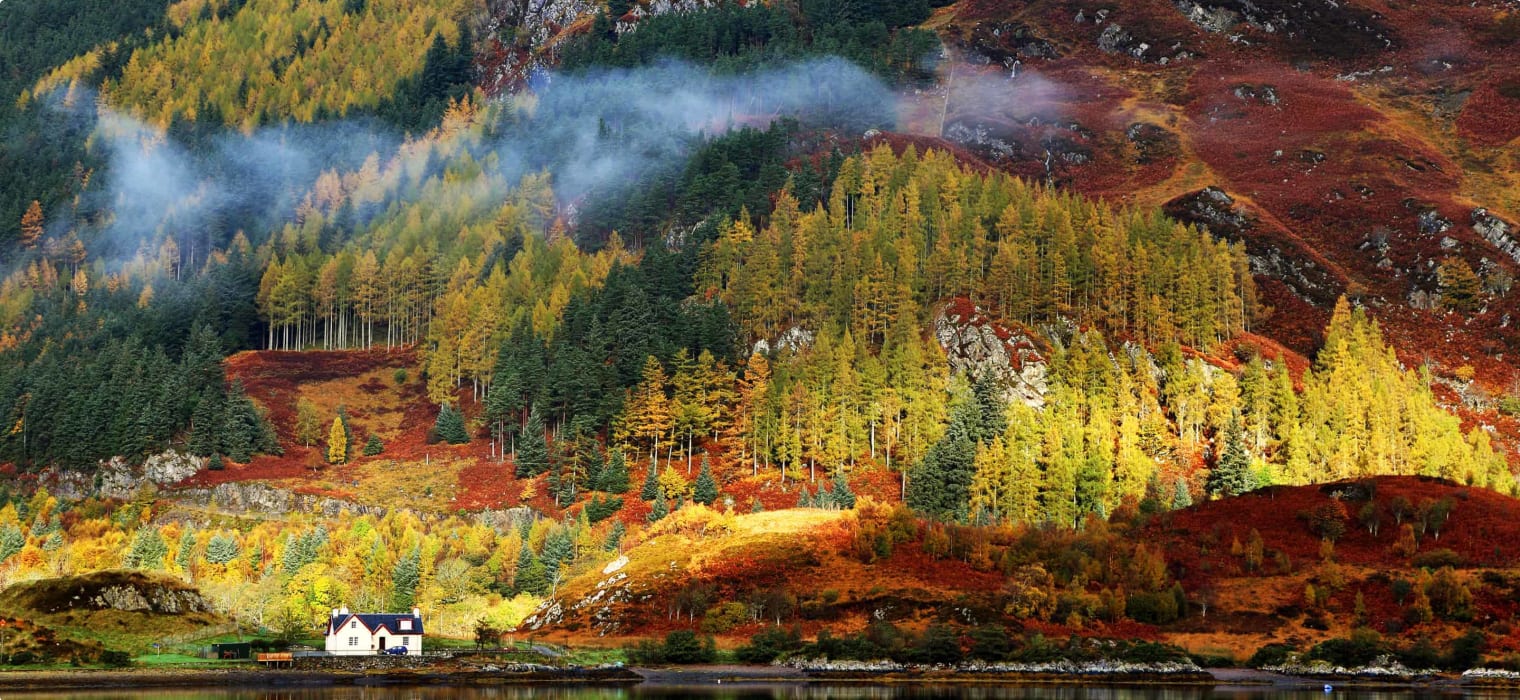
pixel 373 621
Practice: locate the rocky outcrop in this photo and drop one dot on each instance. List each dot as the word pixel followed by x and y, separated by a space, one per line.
pixel 252 497
pixel 975 344
pixel 150 598
pixel 1496 231
pixel 125 591
pixel 118 478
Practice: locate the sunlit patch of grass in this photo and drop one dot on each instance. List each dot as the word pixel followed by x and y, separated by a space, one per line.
pixel 373 401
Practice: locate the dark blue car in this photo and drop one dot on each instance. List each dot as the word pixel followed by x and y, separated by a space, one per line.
pixel 396 651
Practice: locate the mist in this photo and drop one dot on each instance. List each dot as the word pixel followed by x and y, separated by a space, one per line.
pixel 594 133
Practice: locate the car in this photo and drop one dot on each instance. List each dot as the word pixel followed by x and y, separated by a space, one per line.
pixel 396 651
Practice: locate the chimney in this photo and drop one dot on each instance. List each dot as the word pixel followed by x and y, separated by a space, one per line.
pixel 343 610
pixel 417 613
pixel 335 612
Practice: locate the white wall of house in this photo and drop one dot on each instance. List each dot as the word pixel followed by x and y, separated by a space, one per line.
pixel 352 638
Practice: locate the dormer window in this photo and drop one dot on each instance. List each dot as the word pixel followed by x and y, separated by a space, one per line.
pixel 406 625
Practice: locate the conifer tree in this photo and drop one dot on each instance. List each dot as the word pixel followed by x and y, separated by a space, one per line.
pixel 206 426
pixel 939 486
pixel 373 446
pixel 449 425
pixel 31 225
pixel 337 443
pixel 706 489
pixel 651 487
pixel 661 508
pixel 1181 496
pixel 842 495
pixel 615 536
pixel 532 457
pixel 405 579
pixel 614 477
pixel 1231 474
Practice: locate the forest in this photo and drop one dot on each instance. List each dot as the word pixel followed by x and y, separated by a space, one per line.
pixel 753 314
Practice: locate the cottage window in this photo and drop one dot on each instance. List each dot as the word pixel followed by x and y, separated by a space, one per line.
pixel 353 641
pixel 353 625
pixel 406 624
pixel 405 642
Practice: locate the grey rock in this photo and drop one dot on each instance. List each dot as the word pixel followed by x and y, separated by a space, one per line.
pixel 977 345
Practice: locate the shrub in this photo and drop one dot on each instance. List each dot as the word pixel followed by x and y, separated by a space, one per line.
pixel 724 617
pixel 216 464
pixel 373 446
pixel 937 645
pixel 399 375
pixel 115 659
pixel 684 647
pixel 1327 520
pixel 1437 558
pixel 1360 649
pixel 1271 655
pixel 1154 607
pixel 990 643
pixel 1467 650
pixel 769 644
pixel 1153 653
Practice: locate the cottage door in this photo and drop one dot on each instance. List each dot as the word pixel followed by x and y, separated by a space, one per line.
pixel 382 645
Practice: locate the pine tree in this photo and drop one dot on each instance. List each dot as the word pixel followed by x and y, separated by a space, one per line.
pixel 939 486
pixel 1231 474
pixel 842 495
pixel 206 426
pixel 373 446
pixel 661 508
pixel 185 556
pixel 651 482
pixel 449 426
pixel 215 464
pixel 559 549
pixel 1181 496
pixel 532 456
pixel 614 477
pixel 337 443
pixel 148 549
pixel 405 579
pixel 615 536
pixel 706 489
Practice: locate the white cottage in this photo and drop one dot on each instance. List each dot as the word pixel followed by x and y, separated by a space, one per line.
pixel 359 634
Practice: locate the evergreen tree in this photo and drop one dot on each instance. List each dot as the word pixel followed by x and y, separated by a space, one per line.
pixel 215 464
pixel 148 550
pixel 405 579
pixel 1231 474
pixel 449 427
pixel 651 488
pixel 615 536
pixel 532 576
pixel 532 456
pixel 706 489
pixel 12 541
pixel 559 549
pixel 614 477
pixel 373 446
pixel 185 556
pixel 206 425
pixel 842 495
pixel 221 549
pixel 939 485
pixel 1181 496
pixel 661 507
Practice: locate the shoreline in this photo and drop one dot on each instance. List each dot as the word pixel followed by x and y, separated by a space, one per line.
pixel 86 679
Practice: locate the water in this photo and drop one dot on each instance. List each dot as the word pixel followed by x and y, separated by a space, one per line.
pixel 765 692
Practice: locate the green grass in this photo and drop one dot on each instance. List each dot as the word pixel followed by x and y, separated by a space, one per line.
pixel 179 660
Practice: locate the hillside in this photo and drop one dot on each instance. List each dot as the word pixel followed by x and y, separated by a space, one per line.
pixel 1163 321
pixel 822 570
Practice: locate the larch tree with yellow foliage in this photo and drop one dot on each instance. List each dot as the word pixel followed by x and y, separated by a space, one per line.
pixel 337 443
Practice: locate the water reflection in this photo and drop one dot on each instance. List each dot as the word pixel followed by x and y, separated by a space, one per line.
pixel 761 692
